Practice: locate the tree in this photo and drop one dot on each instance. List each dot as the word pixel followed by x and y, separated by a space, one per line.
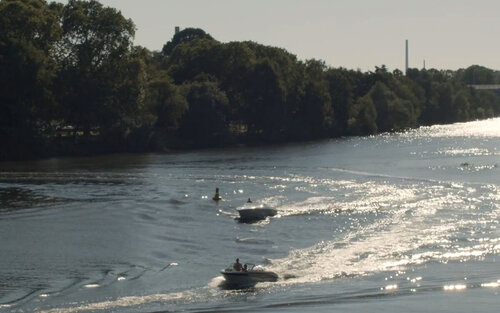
pixel 316 105
pixel 476 75
pixel 29 29
pixel 444 101
pixel 341 92
pixel 362 117
pixel 463 105
pixel 184 36
pixel 393 112
pixel 190 59
pixel 265 111
pixel 205 122
pixel 123 109
pixel 100 78
pixel 167 102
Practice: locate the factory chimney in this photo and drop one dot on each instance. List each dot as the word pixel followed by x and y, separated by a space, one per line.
pixel 406 65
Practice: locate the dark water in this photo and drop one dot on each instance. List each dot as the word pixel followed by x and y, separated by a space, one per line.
pixel 392 223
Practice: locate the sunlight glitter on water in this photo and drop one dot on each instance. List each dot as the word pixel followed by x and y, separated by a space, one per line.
pixel 491 285
pixel 377 197
pixel 334 259
pixel 454 287
pixel 390 287
pixel 467 152
pixel 122 302
pixel 484 128
pixel 401 239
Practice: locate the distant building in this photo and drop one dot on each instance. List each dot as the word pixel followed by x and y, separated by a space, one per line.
pixel 177 29
pixel 485 86
pixel 488 87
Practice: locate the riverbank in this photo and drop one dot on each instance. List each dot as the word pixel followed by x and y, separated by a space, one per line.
pixel 68 146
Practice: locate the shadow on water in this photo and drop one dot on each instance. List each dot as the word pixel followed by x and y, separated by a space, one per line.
pixel 93 163
pixel 15 199
pixel 250 288
pixel 13 288
pixel 65 178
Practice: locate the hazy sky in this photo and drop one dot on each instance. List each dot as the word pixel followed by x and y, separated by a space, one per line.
pixel 447 34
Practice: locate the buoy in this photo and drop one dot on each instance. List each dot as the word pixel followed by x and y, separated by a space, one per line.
pixel 216 196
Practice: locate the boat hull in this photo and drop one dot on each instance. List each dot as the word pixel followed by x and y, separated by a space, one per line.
pixel 248 279
pixel 253 214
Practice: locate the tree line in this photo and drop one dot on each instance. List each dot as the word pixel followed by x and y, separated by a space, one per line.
pixel 73 83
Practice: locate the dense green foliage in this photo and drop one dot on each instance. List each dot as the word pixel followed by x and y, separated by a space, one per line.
pixel 71 82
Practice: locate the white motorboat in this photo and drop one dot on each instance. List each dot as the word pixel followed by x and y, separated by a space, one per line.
pixel 253 213
pixel 247 278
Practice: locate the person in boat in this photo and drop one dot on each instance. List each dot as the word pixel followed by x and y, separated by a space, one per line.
pixel 245 268
pixel 216 197
pixel 249 201
pixel 237 266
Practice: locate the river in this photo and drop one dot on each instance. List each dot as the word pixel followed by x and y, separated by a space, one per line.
pixel 405 222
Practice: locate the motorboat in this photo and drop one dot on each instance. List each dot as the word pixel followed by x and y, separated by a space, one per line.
pixel 253 213
pixel 247 278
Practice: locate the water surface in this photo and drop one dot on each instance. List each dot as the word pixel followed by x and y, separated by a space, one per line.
pixel 396 222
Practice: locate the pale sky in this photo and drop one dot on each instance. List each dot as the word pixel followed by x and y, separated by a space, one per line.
pixel 355 34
